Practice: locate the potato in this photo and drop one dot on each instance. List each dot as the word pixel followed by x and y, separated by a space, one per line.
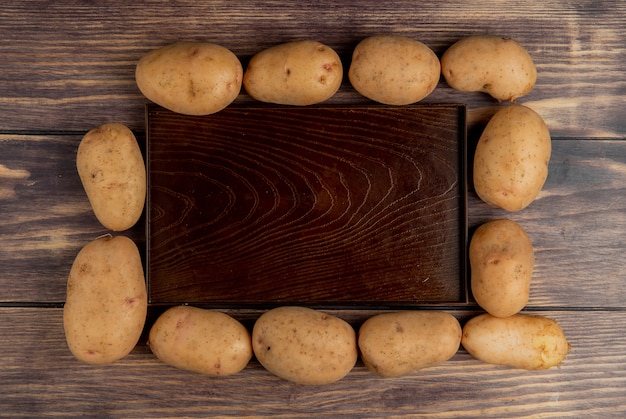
pixel 502 260
pixel 106 303
pixel 394 70
pixel 511 158
pixel 491 64
pixel 519 341
pixel 394 344
pixel 191 78
pixel 304 346
pixel 113 174
pixel 204 341
pixel 294 73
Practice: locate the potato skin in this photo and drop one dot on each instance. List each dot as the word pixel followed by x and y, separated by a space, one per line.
pixel 395 344
pixel 519 341
pixel 394 70
pixel 192 78
pixel 304 346
pixel 106 303
pixel 511 158
pixel 298 73
pixel 492 64
pixel 113 174
pixel 204 341
pixel 502 260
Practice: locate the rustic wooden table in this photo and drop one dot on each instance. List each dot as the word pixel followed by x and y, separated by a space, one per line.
pixel 68 66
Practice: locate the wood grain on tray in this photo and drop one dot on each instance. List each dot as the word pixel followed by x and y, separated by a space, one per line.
pixel 317 205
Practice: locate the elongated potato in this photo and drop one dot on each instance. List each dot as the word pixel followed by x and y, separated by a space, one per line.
pixel 519 341
pixel 303 345
pixel 502 260
pixel 294 73
pixel 204 341
pixel 511 158
pixel 394 70
pixel 113 174
pixel 492 64
pixel 192 78
pixel 394 344
pixel 106 303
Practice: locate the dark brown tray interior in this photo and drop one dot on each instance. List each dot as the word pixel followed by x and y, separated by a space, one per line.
pixel 335 206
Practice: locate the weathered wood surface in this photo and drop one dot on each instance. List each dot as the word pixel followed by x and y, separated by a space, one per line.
pixel 68 66
pixel 577 224
pixel 41 379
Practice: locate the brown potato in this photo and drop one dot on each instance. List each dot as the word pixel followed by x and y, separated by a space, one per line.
pixel 394 70
pixel 502 260
pixel 511 158
pixel 192 78
pixel 394 344
pixel 296 73
pixel 106 304
pixel 113 174
pixel 204 341
pixel 303 345
pixel 492 64
pixel 519 341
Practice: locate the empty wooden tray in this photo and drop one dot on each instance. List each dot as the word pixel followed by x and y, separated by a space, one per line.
pixel 334 206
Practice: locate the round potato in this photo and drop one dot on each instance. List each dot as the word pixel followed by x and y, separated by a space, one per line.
pixel 304 346
pixel 191 78
pixel 294 73
pixel 492 64
pixel 204 341
pixel 113 174
pixel 502 260
pixel 519 341
pixel 394 344
pixel 394 70
pixel 511 158
pixel 106 303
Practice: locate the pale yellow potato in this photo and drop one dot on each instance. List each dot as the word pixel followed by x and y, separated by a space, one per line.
pixel 502 260
pixel 106 302
pixel 492 64
pixel 304 346
pixel 191 78
pixel 296 73
pixel 519 341
pixel 394 70
pixel 511 158
pixel 395 344
pixel 112 171
pixel 200 340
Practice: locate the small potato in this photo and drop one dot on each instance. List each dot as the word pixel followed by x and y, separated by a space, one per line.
pixel 295 73
pixel 204 341
pixel 492 64
pixel 106 303
pixel 394 70
pixel 502 260
pixel 191 78
pixel 394 344
pixel 304 346
pixel 520 341
pixel 113 174
pixel 511 158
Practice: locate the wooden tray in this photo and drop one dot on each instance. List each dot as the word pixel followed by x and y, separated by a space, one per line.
pixel 334 206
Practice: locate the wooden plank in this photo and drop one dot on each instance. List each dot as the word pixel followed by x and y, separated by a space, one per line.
pixel 41 378
pixel 576 225
pixel 70 66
